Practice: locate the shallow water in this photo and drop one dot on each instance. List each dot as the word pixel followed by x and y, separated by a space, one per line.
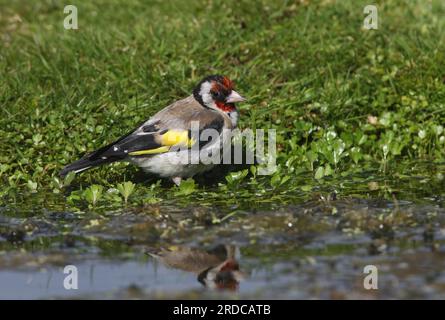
pixel 312 244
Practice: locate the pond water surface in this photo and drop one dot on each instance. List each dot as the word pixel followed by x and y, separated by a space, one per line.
pixel 312 244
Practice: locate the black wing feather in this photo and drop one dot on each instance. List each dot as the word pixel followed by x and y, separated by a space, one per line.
pixel 115 151
pixel 131 142
pixel 123 147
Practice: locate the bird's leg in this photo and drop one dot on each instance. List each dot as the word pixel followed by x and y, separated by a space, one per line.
pixel 177 180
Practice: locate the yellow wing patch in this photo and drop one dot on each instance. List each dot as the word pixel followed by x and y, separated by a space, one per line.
pixel 168 139
pixel 174 137
pixel 149 151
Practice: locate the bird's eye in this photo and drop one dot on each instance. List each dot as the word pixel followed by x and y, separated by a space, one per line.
pixel 217 95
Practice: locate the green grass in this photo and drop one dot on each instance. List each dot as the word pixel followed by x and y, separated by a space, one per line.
pixel 308 68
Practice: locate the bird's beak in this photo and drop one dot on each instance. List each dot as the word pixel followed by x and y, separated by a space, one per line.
pixel 235 97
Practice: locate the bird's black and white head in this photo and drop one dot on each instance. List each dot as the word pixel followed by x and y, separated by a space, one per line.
pixel 217 92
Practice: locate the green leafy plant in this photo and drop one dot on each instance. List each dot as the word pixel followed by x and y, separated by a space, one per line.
pixel 93 194
pixel 32 186
pixel 186 187
pixel 234 178
pixel 151 195
pixel 126 189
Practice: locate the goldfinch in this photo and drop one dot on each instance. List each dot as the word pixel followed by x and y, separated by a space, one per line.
pixel 153 146
pixel 217 268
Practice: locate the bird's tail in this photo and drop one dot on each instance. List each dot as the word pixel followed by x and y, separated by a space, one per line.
pixel 83 164
pixel 94 159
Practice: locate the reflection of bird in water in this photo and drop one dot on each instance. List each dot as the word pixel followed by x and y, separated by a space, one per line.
pixel 216 268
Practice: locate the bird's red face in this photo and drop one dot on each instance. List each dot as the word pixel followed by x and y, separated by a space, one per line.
pixel 220 90
pixel 226 275
pixel 217 92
